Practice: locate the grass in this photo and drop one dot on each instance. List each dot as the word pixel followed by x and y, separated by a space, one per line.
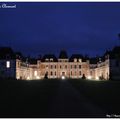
pixel 20 98
pixel 103 93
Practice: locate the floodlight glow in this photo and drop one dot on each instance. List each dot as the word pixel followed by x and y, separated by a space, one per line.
pixel 97 78
pixel 28 78
pixel 89 77
pixel 63 77
pixel 18 77
pixel 38 77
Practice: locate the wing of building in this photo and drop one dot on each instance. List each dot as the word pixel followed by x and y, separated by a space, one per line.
pixel 15 65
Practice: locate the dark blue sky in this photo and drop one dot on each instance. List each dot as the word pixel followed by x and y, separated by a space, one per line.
pixel 38 28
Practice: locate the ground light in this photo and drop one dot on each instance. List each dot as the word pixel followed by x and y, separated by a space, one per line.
pixel 28 78
pixel 63 77
pixel 38 77
pixel 97 78
pixel 89 77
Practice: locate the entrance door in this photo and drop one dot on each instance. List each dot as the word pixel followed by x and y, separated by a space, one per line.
pixel 63 73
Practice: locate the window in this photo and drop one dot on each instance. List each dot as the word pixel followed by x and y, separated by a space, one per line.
pixel 51 66
pixel 46 60
pixel 51 59
pixel 90 72
pixel 75 73
pixel 79 72
pixel 75 60
pixel 51 73
pixel 71 72
pixel 66 66
pixel 35 73
pixel 47 66
pixel 79 60
pixel 80 66
pixel 60 66
pixel 75 66
pixel 55 73
pixel 8 64
pixel 55 66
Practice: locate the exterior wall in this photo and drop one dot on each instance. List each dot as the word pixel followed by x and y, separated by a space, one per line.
pixel 102 70
pixel 64 68
pixel 21 70
pixel 92 71
pixel 27 72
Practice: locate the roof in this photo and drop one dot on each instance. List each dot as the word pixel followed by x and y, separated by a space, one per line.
pixel 63 55
pixel 94 60
pixel 75 56
pixel 49 56
pixel 32 61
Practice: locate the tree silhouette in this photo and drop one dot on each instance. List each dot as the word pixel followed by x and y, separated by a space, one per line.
pixel 83 76
pixel 46 75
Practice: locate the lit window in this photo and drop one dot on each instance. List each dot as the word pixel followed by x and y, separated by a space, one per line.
pixel 8 64
pixel 35 73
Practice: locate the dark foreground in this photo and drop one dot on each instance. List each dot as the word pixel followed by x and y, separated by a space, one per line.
pixel 59 98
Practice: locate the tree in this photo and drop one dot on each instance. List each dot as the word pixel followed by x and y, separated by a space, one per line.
pixel 83 76
pixel 46 75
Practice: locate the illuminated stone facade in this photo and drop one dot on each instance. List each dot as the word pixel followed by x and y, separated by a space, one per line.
pixel 74 67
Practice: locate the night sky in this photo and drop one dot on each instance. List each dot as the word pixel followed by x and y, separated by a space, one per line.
pixel 39 28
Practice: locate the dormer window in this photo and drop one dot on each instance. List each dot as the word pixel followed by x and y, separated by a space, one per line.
pixel 46 60
pixel 8 64
pixel 99 59
pixel 75 60
pixel 80 60
pixel 51 59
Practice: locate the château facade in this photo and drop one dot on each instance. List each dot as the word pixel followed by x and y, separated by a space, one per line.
pixel 14 65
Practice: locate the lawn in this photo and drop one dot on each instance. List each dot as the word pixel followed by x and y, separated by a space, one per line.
pixel 59 98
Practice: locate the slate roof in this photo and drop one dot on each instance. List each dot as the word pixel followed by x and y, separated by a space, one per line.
pixel 94 60
pixel 32 61
pixel 63 55
pixel 49 56
pixel 75 56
